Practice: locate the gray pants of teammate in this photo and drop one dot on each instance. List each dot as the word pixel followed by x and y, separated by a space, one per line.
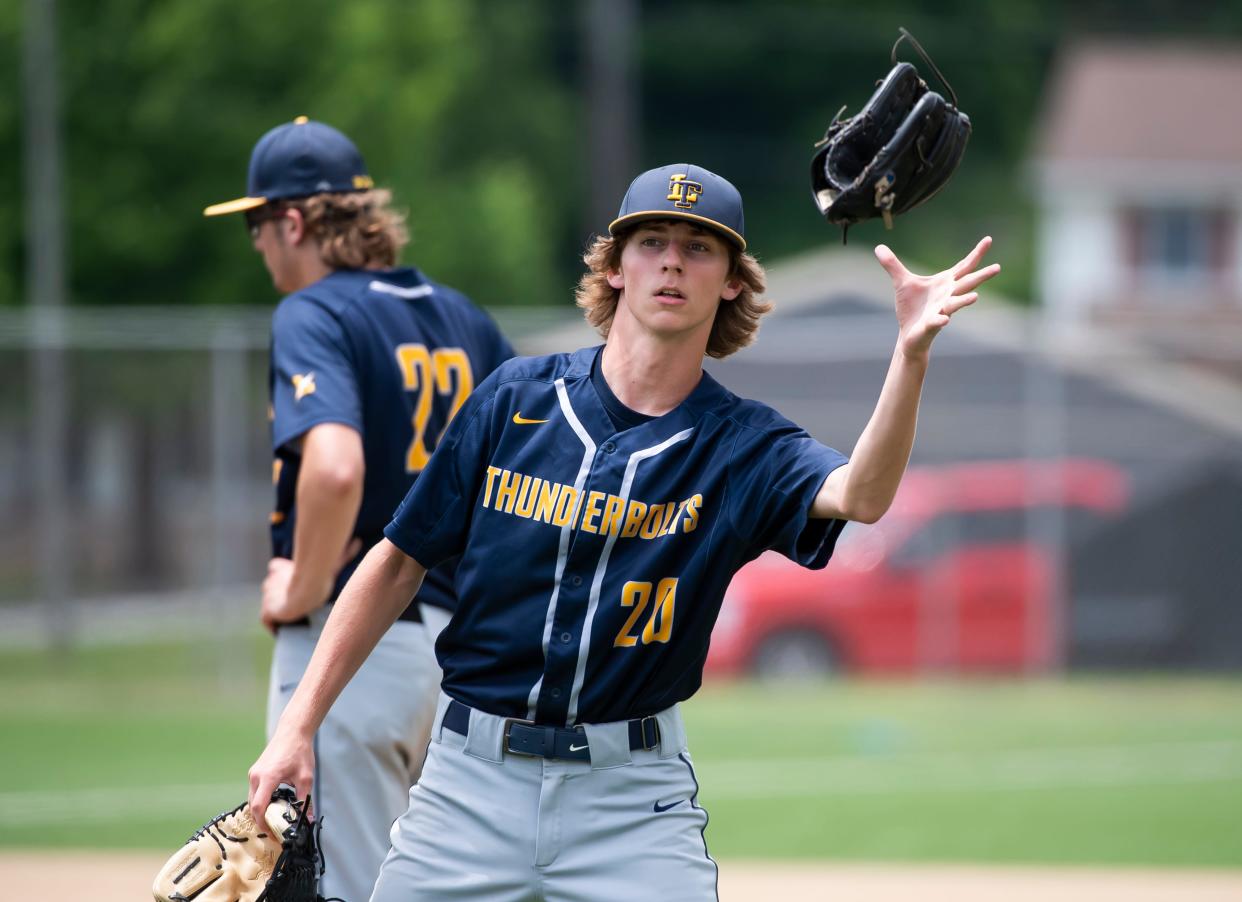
pixel 370 749
pixel 487 825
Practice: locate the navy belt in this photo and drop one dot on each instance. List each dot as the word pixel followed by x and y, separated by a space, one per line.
pixel 524 737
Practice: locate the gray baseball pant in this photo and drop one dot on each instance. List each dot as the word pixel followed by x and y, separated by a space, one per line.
pixel 370 749
pixel 488 825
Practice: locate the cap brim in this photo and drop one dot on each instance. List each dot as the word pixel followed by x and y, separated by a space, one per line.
pixel 640 216
pixel 235 206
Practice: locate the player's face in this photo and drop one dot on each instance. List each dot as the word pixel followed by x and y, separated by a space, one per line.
pixel 270 240
pixel 673 276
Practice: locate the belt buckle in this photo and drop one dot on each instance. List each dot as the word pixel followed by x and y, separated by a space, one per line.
pixel 655 732
pixel 509 722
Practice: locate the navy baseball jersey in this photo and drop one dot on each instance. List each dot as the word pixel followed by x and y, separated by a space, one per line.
pixel 594 554
pixel 392 355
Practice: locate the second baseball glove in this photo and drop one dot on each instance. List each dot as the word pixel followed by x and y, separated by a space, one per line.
pixel 234 858
pixel 896 153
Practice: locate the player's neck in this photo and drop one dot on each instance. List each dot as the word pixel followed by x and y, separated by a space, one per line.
pixel 649 376
pixel 309 271
pixel 303 267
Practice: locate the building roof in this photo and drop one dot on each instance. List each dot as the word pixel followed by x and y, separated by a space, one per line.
pixel 1004 381
pixel 1144 102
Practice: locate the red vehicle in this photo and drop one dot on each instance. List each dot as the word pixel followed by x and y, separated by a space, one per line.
pixel 962 574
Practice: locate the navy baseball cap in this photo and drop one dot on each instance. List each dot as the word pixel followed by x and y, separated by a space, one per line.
pixel 298 159
pixel 683 191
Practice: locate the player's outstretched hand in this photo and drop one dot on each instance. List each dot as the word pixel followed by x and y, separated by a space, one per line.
pixel 287 759
pixel 925 303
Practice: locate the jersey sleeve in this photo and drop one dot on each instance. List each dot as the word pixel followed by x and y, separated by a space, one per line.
pixel 772 502
pixel 313 381
pixel 433 521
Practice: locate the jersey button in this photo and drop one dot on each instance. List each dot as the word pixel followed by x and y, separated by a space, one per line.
pixel 566 637
pixel 555 693
pixel 576 581
pixel 608 447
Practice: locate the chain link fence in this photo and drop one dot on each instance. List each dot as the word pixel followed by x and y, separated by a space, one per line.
pixel 144 509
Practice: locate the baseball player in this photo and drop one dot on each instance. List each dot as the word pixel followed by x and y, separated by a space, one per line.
pixel 368 365
pixel 600 502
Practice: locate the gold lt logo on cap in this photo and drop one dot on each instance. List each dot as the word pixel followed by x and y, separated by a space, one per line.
pixel 682 193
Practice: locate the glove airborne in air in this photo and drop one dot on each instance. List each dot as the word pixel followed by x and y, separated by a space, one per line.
pixel 893 155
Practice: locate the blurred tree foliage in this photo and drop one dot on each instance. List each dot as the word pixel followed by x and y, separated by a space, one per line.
pixel 748 87
pixel 473 112
pixel 452 102
pixel 10 155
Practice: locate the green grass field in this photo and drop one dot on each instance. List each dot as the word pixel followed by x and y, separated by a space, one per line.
pixel 135 746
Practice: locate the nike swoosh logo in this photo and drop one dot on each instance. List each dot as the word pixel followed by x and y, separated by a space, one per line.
pixel 524 421
pixel 578 748
pixel 285 687
pixel 657 807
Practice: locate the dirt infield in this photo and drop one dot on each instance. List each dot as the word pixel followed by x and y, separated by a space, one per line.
pixel 126 877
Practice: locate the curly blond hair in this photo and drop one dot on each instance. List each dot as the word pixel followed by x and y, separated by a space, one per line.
pixel 737 321
pixel 354 230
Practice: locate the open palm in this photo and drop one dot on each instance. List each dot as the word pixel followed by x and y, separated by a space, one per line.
pixel 926 303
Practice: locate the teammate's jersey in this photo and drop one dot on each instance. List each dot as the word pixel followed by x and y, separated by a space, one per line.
pixel 390 354
pixel 593 562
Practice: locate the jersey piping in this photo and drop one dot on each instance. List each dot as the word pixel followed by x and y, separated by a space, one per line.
pixel 418 291
pixel 584 645
pixel 562 397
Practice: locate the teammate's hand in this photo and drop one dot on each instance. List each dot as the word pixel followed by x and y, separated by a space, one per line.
pixel 274 609
pixel 286 599
pixel 287 759
pixel 925 303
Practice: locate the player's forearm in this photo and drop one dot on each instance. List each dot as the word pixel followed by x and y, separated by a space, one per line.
pixel 376 594
pixel 327 505
pixel 883 450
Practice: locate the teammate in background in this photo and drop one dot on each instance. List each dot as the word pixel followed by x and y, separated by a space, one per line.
pixel 368 365
pixel 601 501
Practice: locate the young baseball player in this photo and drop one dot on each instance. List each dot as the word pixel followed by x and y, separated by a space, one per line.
pixel 600 502
pixel 368 364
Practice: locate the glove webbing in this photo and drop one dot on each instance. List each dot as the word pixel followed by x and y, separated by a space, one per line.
pixel 294 878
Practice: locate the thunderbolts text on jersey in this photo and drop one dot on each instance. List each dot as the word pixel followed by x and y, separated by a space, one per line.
pixel 559 505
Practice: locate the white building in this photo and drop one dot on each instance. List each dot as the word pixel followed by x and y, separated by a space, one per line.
pixel 1139 194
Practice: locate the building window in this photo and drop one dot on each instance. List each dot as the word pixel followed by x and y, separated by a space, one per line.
pixel 1179 244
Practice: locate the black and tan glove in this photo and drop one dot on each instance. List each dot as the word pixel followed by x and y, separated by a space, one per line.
pixel 235 858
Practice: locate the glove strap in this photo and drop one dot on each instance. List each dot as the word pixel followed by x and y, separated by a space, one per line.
pixel 905 35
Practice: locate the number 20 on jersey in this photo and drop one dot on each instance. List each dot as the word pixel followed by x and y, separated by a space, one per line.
pixel 659 626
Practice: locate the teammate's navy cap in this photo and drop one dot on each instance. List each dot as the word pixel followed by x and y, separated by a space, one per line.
pixel 298 159
pixel 683 191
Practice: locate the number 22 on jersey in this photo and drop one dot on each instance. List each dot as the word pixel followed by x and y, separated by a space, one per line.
pixel 431 372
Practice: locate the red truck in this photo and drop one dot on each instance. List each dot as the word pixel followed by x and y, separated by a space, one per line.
pixel 963 574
